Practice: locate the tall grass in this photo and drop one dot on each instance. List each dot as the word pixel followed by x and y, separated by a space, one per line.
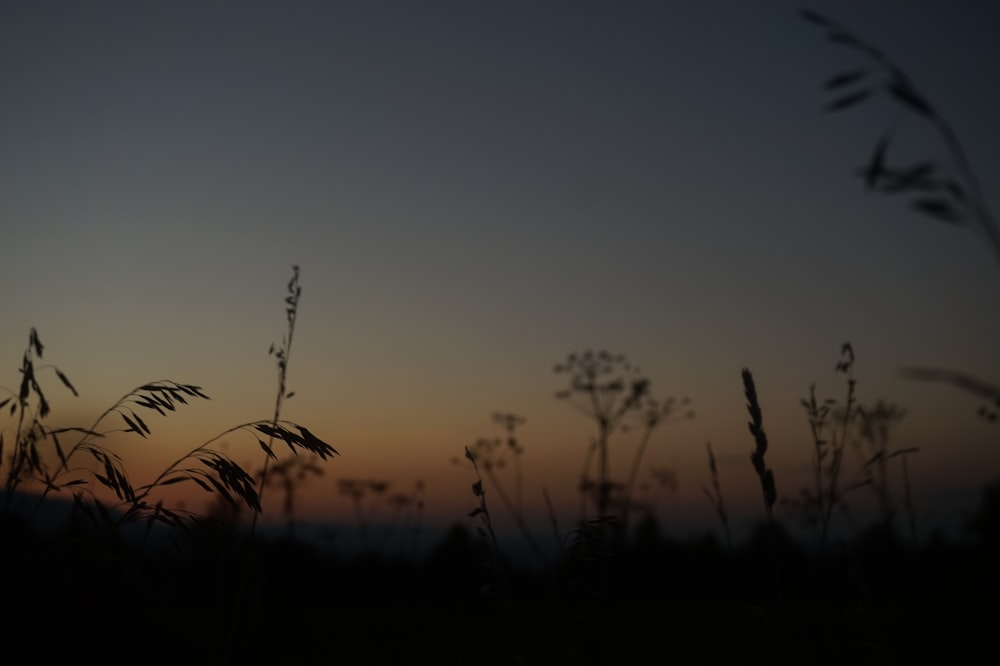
pixel 765 474
pixel 951 194
pixel 39 462
pixel 945 190
pixel 714 495
pixel 76 461
pixel 595 553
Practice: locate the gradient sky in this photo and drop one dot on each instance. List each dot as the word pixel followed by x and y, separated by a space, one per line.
pixel 473 190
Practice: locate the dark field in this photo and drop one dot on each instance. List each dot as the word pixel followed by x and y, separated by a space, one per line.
pixel 876 600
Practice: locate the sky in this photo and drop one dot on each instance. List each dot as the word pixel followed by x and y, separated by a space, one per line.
pixel 472 191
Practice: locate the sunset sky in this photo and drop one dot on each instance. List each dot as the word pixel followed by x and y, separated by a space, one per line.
pixel 473 190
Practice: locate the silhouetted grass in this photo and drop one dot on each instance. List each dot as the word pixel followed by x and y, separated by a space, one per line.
pixel 78 463
pixel 199 588
pixel 714 495
pixel 601 600
pixel 947 191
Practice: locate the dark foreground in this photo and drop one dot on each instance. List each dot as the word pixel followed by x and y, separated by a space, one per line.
pixel 876 600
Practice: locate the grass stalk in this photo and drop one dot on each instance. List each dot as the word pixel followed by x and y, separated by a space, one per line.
pixel 715 496
pixel 768 488
pixel 951 196
pixel 654 415
pixel 486 528
pixel 282 354
pixel 833 492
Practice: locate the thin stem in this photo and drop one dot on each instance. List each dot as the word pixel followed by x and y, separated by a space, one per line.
pixel 634 472
pixel 283 355
pixel 833 496
pixel 978 198
pixel 517 515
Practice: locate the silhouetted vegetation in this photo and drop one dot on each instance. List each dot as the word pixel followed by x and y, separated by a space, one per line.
pixel 211 587
pixel 100 562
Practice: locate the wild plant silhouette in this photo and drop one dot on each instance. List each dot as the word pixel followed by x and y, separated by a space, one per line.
pixel 48 459
pixel 944 190
pixel 613 591
pixel 81 463
pixel 951 194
